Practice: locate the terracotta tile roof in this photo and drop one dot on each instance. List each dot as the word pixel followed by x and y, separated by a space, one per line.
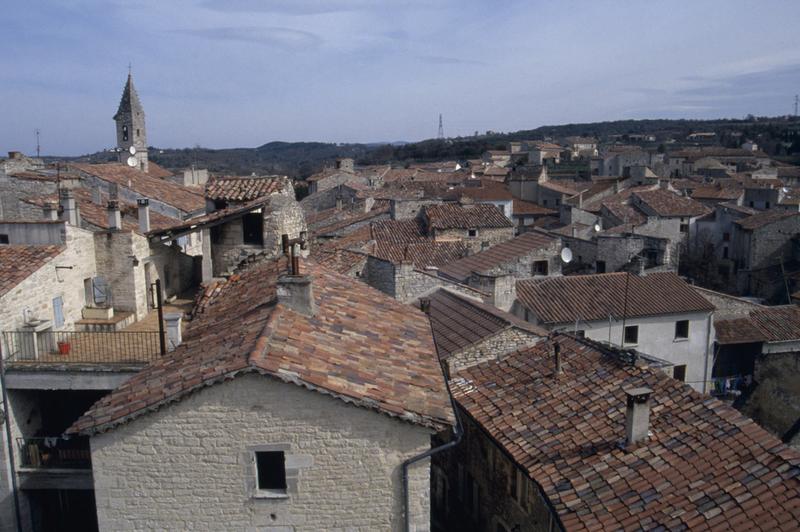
pixel 399 174
pixel 717 192
pixel 487 191
pixel 737 331
pixel 359 240
pixel 497 255
pixel 96 214
pixel 399 231
pixel 207 219
pixel 427 254
pixel 328 172
pixel 157 171
pixel 18 261
pixel 521 208
pixel 458 322
pixel 333 215
pixel 594 297
pixel 245 188
pixel 765 218
pixel 150 187
pixel 452 216
pixel 628 214
pixel 778 324
pixel 340 260
pixel 666 203
pixel 569 188
pixel 705 466
pixel 356 217
pixel 362 347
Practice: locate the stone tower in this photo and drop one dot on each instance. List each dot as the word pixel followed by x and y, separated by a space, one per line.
pixel 130 126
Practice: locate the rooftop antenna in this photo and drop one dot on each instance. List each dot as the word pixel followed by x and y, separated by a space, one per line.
pixel 38 147
pixel 796 100
pixel 440 135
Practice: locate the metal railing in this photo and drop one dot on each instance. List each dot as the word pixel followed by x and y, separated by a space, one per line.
pixel 55 452
pixel 81 347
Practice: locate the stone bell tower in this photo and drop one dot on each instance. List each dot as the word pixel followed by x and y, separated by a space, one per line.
pixel 130 126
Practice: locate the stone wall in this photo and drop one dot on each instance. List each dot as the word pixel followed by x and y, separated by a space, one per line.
pixel 380 274
pixel 477 486
pixel 502 343
pixel 727 306
pixel 484 238
pixel 406 209
pixel 187 466
pixel 411 284
pixel 13 190
pixel 33 233
pixel 775 400
pixel 115 251
pixel 38 290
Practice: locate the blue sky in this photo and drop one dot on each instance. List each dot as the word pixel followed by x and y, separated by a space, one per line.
pixel 228 73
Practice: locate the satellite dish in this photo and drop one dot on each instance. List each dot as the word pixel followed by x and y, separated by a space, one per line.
pixel 597 227
pixel 132 162
pixel 132 149
pixel 566 255
pixel 785 190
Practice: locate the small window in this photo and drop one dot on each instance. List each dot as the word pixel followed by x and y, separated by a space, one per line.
pixel 540 267
pixel 632 334
pixel 252 228
pixel 3 239
pixel 271 471
pixel 472 232
pixel 682 330
pixel 544 203
pixel 766 205
pixel 684 228
pixel 601 266
pixel 137 133
pixel 58 312
pixel 679 373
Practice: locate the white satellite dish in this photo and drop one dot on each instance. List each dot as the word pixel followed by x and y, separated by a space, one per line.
pixel 566 255
pixel 132 162
pixel 597 227
pixel 132 149
pixel 785 190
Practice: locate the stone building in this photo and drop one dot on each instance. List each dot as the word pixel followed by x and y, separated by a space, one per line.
pixel 478 225
pixel 283 409
pixel 468 331
pixel 657 314
pixel 572 435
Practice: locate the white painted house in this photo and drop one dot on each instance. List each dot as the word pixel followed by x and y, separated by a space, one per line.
pixel 657 314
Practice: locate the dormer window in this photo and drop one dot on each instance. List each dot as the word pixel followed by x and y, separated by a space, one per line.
pixel 124 132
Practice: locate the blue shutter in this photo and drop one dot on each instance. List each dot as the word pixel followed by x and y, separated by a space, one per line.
pixel 100 288
pixel 58 311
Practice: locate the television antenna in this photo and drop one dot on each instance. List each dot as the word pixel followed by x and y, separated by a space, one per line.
pixel 132 162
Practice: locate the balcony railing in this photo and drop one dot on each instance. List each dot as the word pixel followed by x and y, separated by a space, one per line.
pixel 55 452
pixel 80 347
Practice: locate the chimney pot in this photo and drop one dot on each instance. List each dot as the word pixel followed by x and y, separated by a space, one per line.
pixel 296 292
pixel 637 415
pixel 114 216
pixel 144 214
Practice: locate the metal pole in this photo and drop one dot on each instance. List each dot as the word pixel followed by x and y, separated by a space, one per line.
pixel 9 441
pixel 161 339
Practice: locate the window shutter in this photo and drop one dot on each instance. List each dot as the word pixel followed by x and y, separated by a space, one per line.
pixel 58 311
pixel 100 289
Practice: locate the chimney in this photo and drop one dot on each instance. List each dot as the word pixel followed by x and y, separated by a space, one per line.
pixel 637 415
pixel 663 184
pixel 114 216
pixel 50 210
pixel 144 214
pixel 425 304
pixel 338 202
pixel 66 199
pixel 173 325
pixel 295 292
pixel 557 359
pixel 368 204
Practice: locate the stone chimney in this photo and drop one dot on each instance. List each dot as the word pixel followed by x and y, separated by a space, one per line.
pixel 50 210
pixel 425 304
pixel 114 216
pixel 557 362
pixel 338 202
pixel 296 292
pixel 144 214
pixel 69 208
pixel 637 414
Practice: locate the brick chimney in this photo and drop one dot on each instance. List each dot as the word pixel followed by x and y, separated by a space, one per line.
pixel 637 414
pixel 114 216
pixel 296 292
pixel 144 214
pixel 66 199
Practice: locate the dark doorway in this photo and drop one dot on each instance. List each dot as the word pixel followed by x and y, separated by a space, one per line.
pixel 61 510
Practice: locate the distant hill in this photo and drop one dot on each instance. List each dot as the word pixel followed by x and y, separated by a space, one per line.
pixel 778 136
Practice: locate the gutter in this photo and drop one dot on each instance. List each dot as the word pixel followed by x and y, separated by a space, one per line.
pixel 458 432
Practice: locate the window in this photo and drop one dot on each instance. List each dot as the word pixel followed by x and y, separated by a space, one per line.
pixel 137 132
pixel 271 471
pixel 124 132
pixel 766 205
pixel 540 267
pixel 684 228
pixel 58 312
pixel 558 202
pixel 632 334
pixel 725 252
pixel 3 239
pixel 726 237
pixel 544 203
pixel 679 373
pixel 601 266
pixel 472 233
pixel 682 329
pixel 252 228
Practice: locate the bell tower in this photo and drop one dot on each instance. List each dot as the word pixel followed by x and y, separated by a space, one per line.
pixel 130 126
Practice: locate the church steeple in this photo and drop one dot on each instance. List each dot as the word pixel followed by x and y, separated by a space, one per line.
pixel 130 125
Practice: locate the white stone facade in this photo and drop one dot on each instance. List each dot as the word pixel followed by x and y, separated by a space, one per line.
pixel 187 466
